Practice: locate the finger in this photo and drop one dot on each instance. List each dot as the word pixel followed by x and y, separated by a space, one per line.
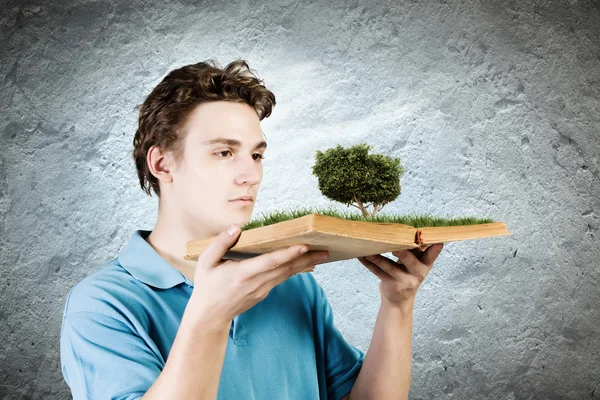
pixel 219 246
pixel 381 274
pixel 311 268
pixel 426 255
pixel 417 251
pixel 395 270
pixel 432 254
pixel 289 258
pixel 273 259
pixel 410 266
pixel 413 265
pixel 274 277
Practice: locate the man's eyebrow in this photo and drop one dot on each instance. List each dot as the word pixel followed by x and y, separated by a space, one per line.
pixel 234 143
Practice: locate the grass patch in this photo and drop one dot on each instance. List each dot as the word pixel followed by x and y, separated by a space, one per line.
pixel 418 221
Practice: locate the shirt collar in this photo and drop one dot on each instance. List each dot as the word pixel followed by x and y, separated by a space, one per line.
pixel 146 265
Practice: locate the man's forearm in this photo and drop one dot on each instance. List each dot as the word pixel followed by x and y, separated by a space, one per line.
pixel 386 369
pixel 194 365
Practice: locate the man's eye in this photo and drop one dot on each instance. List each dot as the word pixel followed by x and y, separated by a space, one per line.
pixel 260 156
pixel 224 151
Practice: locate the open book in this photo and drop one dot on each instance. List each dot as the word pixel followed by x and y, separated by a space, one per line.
pixel 344 239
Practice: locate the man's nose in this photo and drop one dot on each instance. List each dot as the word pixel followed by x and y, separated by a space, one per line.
pixel 250 171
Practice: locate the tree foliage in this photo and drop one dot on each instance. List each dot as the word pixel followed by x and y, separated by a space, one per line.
pixel 355 178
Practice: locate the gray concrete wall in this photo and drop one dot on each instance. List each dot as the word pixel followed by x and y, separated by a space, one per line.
pixel 491 106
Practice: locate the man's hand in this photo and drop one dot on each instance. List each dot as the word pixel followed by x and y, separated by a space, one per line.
pixel 400 280
pixel 224 289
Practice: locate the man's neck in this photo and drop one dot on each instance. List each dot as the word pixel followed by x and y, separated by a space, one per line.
pixel 169 237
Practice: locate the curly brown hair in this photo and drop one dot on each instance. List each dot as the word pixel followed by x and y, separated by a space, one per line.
pixel 164 113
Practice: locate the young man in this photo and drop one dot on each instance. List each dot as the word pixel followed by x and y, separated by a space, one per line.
pixel 152 325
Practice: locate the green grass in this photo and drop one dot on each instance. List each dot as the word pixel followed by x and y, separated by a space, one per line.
pixel 418 221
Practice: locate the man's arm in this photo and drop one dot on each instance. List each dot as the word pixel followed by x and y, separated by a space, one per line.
pixel 193 368
pixel 103 357
pixel 386 370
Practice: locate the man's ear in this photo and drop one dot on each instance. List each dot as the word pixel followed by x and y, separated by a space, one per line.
pixel 160 164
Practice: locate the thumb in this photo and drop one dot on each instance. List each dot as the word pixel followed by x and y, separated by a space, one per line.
pixel 432 253
pixel 219 246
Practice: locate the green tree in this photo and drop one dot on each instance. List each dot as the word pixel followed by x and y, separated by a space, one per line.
pixel 355 178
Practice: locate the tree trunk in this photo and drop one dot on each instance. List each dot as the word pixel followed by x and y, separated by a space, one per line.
pixel 362 208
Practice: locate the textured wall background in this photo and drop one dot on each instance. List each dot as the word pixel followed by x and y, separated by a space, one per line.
pixel 491 106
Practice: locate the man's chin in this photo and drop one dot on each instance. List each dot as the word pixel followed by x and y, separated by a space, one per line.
pixel 244 214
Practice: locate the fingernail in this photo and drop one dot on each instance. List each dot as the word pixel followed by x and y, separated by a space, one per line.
pixel 370 258
pixel 303 250
pixel 232 230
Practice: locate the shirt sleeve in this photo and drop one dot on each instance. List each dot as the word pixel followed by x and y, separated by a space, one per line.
pixel 342 360
pixel 102 358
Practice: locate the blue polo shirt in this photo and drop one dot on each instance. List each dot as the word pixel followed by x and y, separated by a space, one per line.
pixel 120 322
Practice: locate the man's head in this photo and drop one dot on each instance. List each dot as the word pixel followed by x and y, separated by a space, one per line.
pixel 191 107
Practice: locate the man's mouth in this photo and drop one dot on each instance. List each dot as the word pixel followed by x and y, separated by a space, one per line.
pixel 245 198
pixel 242 201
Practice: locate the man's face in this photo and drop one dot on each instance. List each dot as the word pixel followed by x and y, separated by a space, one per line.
pixel 213 173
